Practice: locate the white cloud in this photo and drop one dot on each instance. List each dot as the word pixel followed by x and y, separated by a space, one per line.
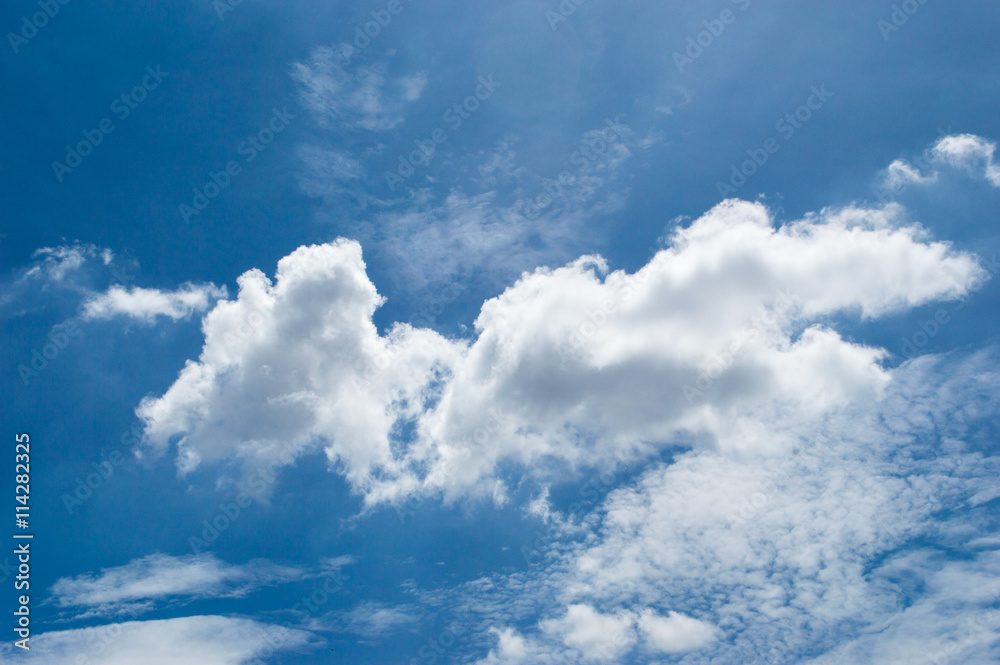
pixel 374 620
pixel 339 562
pixel 598 637
pixel 146 304
pixel 75 267
pixel 64 266
pixel 515 220
pixel 159 576
pixel 464 237
pixel 675 633
pixel 955 620
pixel 860 543
pixel 583 633
pixel 206 640
pixel 901 174
pixel 511 649
pixel 413 86
pixel 329 174
pixel 354 98
pixel 60 277
pixel 53 269
pixel 307 357
pixel 679 98
pixel 713 337
pixel 57 262
pixel 970 152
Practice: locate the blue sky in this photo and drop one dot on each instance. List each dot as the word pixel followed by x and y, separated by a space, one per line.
pixel 532 333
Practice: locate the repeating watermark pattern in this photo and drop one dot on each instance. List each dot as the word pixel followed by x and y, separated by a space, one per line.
pixel 892 187
pixel 759 500
pixel 59 338
pixel 696 44
pixel 611 648
pixel 426 315
pixel 381 18
pixel 455 116
pixel 6 570
pixel 37 21
pixel 414 502
pixel 257 482
pixel 123 272
pixel 973 630
pixel 100 638
pixel 901 13
pixel 277 637
pixel 436 647
pixel 265 474
pixel 720 362
pixel 249 149
pixel 122 107
pixel 259 479
pixel 786 127
pixel 223 7
pixel 928 329
pixel 85 486
pixel 55 343
pixel 562 13
pixel 572 348
pixel 366 369
pixel 594 146
pixel 588 495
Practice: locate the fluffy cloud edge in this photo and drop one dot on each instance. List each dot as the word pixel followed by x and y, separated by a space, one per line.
pixel 145 305
pixel 967 152
pixel 738 297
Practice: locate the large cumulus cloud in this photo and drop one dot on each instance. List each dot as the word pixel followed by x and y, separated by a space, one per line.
pixel 729 325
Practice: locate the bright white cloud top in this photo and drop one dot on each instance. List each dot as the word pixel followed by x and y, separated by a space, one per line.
pixel 968 152
pixel 147 304
pixel 728 327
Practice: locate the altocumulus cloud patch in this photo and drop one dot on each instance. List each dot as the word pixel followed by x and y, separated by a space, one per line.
pixel 862 541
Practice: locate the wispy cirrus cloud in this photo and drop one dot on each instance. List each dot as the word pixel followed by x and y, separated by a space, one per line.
pixel 354 96
pixel 372 620
pixel 207 640
pixel 160 577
